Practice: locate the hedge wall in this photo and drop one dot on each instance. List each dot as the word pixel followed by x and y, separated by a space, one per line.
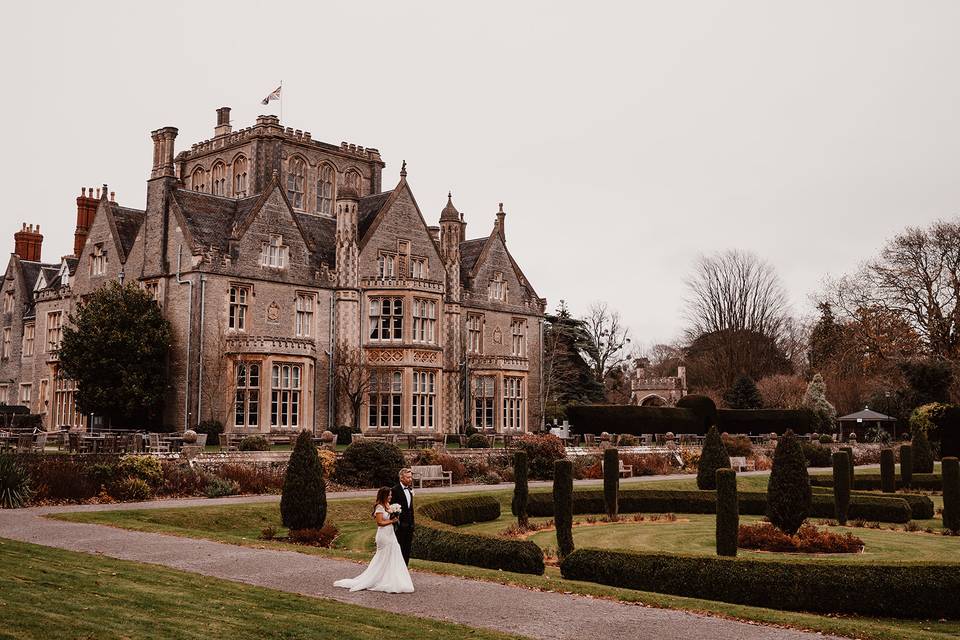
pixel 635 420
pixel 901 590
pixel 874 508
pixel 437 539
pixel 871 481
pixel 758 421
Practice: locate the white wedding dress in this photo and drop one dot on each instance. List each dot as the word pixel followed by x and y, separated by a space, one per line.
pixel 387 571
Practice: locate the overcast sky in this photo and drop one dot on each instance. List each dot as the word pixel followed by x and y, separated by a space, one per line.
pixel 624 139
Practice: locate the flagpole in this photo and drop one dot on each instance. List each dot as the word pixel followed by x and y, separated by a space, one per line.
pixel 281 102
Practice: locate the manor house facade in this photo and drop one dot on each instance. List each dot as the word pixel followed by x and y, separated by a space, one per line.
pixel 292 280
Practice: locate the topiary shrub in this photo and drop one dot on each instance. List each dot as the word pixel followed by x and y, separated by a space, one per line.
pixel 849 452
pixel 728 512
pixel 369 464
pixel 15 484
pixel 788 490
pixel 147 468
pixel 703 407
pixel 542 451
pixel 714 456
pixel 888 475
pixel 303 503
pixel 477 441
pixel 563 506
pixel 521 489
pixel 906 465
pixel 922 453
pixel 254 443
pixel 213 429
pixel 951 494
pixel 611 481
pixel 816 454
pixel 841 486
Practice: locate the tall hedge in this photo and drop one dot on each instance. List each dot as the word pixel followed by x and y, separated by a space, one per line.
pixel 728 512
pixel 951 494
pixel 849 452
pixel 712 457
pixel 906 465
pixel 841 486
pixel 703 406
pixel 303 504
pixel 611 481
pixel 521 488
pixel 922 453
pixel 888 472
pixel 788 490
pixel 631 419
pixel 563 506
pixel 368 463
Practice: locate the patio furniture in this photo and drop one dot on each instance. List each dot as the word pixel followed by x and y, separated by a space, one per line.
pixel 155 445
pixel 589 440
pixel 40 442
pixel 626 470
pixel 740 463
pixel 431 473
pixel 24 444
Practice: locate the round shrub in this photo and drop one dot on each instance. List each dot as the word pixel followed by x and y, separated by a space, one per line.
pixel 563 506
pixel 841 486
pixel 213 429
pixel 825 439
pixel 542 451
pixel 922 453
pixel 146 468
pixel 951 494
pixel 521 489
pixel 611 481
pixel 788 490
pixel 728 512
pixel 888 478
pixel 327 436
pixel 369 464
pixel 328 460
pixel 15 484
pixel 816 454
pixel 254 443
pixel 131 489
pixel 477 441
pixel 704 408
pixel 906 465
pixel 303 504
pixel 220 487
pixel 714 456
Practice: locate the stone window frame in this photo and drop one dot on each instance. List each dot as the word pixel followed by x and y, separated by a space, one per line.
pixel 64 403
pixel 218 179
pixel 419 268
pixel 25 398
pixel 274 254
pixel 286 394
pixel 152 287
pixel 239 168
pixel 484 404
pixel 475 325
pixel 243 306
pixel 385 399
pixel 8 301
pixel 308 315
pixel 99 260
pixel 198 180
pixel 424 320
pixel 4 394
pixel 28 340
pixel 386 327
pixel 326 195
pixel 514 403
pixel 518 337
pixel 297 182
pixel 423 400
pixel 247 395
pixel 497 288
pixel 7 347
pixel 54 331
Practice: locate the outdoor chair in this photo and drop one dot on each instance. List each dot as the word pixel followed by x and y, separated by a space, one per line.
pixel 24 443
pixel 156 446
pixel 431 473
pixel 40 442
pixel 626 470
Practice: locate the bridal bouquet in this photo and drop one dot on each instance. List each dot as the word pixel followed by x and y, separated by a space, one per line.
pixel 395 508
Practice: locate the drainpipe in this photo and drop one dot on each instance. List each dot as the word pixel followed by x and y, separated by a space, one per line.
pixel 203 305
pixel 540 380
pixel 186 388
pixel 331 393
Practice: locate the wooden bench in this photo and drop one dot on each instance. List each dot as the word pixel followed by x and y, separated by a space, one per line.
pixel 431 473
pixel 626 470
pixel 740 463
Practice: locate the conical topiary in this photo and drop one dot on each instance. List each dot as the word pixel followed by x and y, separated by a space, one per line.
pixel 303 504
pixel 712 457
pixel 922 454
pixel 788 490
pixel 743 394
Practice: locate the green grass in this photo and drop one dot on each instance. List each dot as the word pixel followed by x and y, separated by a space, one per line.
pixel 241 524
pixel 51 592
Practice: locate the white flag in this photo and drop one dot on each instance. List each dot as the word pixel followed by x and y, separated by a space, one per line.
pixel 273 95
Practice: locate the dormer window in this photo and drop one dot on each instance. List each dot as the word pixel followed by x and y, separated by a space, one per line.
pixel 497 290
pixel 64 275
pixel 98 261
pixel 325 190
pixel 296 170
pixel 240 177
pixel 219 180
pixel 274 253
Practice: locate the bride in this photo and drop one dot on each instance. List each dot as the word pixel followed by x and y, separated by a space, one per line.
pixel 387 571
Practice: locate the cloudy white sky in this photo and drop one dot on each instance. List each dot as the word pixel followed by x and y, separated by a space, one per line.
pixel 624 138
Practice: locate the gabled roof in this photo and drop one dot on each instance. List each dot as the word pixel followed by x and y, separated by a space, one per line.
pixel 867 415
pixel 367 209
pixel 71 263
pixel 470 251
pixel 320 233
pixel 127 223
pixel 31 271
pixel 48 277
pixel 473 252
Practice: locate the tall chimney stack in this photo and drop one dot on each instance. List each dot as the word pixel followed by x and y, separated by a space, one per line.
pixel 223 122
pixel 501 224
pixel 163 140
pixel 86 210
pixel 27 242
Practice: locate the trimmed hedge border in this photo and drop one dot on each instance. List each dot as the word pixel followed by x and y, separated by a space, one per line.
pixel 921 506
pixel 872 481
pixel 874 508
pixel 901 590
pixel 436 538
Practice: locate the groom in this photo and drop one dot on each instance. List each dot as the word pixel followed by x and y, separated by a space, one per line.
pixel 403 495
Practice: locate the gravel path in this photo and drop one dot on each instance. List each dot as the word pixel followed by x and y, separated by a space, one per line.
pixel 474 603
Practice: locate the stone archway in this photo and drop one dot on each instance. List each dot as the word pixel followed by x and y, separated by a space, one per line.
pixel 653 400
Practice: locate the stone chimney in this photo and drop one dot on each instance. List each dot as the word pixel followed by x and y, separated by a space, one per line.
pixel 163 140
pixel 223 122
pixel 27 242
pixel 86 210
pixel 501 221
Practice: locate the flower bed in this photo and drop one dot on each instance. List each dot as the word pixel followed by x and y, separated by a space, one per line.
pixel 763 536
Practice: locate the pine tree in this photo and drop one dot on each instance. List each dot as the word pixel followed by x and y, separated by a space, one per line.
pixel 815 399
pixel 303 504
pixel 788 490
pixel 743 394
pixel 713 456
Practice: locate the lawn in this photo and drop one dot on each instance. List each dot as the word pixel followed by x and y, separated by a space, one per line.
pixel 241 524
pixel 46 592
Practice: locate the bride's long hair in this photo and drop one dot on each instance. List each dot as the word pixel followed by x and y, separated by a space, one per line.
pixel 382 494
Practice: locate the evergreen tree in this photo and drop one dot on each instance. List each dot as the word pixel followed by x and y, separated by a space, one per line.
pixel 825 338
pixel 115 348
pixel 815 399
pixel 567 377
pixel 788 490
pixel 303 504
pixel 521 489
pixel 922 453
pixel 743 394
pixel 713 456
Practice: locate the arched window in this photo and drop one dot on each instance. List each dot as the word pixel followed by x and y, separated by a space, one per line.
pixel 197 182
pixel 240 177
pixel 219 184
pixel 352 179
pixel 296 170
pixel 325 190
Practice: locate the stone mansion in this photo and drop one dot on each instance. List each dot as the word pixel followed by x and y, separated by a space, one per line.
pixel 286 271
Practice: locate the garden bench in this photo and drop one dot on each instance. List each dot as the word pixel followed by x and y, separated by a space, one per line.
pixel 626 470
pixel 431 473
pixel 740 463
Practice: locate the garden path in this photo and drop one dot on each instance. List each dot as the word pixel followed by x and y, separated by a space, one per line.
pixel 475 603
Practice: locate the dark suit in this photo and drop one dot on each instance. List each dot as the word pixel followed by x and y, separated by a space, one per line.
pixel 404 526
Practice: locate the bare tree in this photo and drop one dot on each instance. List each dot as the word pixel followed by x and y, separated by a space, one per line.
pixel 216 376
pixel 352 378
pixel 608 340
